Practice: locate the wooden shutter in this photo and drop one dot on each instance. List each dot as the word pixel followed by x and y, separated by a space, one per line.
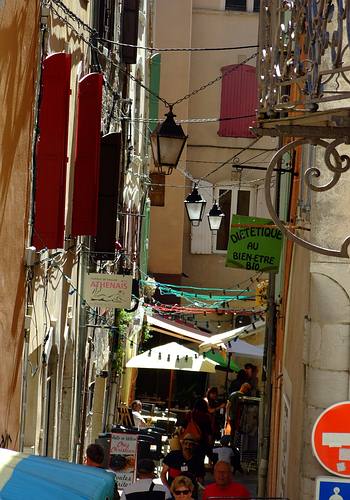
pixel 87 156
pixel 51 153
pixel 239 97
pixel 157 189
pixel 108 189
pixel 201 236
pixel 129 30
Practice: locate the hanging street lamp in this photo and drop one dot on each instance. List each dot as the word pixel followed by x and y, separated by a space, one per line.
pixel 167 142
pixel 195 206
pixel 215 217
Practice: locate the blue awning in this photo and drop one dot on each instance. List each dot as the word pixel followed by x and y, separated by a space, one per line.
pixel 33 477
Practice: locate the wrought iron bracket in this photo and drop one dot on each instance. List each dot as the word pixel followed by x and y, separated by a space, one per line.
pixel 336 163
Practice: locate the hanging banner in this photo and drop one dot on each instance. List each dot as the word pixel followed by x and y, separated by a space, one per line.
pixel 108 290
pixel 254 244
pixel 123 458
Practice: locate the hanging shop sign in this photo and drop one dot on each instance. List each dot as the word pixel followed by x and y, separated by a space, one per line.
pixel 254 244
pixel 123 458
pixel 108 290
pixel 331 439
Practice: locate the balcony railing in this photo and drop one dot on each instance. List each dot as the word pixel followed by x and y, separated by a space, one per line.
pixel 305 43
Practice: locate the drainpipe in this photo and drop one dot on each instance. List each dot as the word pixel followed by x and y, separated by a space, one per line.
pixel 265 409
pixel 79 351
pixel 24 392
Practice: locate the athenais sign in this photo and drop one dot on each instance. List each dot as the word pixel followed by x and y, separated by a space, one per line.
pixel 252 247
pixel 108 290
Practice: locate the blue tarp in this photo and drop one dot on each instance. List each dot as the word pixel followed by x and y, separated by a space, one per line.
pixel 32 477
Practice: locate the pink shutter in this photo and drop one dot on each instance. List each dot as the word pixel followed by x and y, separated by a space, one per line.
pixel 239 97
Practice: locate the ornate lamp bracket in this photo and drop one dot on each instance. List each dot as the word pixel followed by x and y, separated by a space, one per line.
pixel 336 163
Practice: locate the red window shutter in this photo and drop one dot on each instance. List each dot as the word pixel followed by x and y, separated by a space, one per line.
pixel 239 97
pixel 129 30
pixel 87 156
pixel 51 153
pixel 108 190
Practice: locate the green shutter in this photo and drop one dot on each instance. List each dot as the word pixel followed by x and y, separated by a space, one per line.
pixel 154 85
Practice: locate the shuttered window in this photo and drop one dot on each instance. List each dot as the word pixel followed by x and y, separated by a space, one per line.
pixel 87 155
pixel 239 97
pixel 51 153
pixel 242 5
pixel 108 190
pixel 129 30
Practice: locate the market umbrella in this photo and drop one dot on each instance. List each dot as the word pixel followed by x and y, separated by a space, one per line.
pixel 172 356
pixel 32 477
pixel 224 340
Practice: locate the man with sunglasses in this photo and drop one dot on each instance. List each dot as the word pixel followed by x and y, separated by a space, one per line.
pixel 224 486
pixel 185 462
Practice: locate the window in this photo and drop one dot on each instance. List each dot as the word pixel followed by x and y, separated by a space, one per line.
pixel 239 97
pixel 157 191
pixel 243 5
pixel 232 201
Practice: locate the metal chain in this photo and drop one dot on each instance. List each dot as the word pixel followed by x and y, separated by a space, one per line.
pixel 217 79
pixel 93 32
pixel 177 49
pixel 74 17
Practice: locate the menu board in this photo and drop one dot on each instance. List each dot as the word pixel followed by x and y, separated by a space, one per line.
pixel 123 458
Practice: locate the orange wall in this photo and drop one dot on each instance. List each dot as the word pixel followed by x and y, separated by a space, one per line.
pixel 18 51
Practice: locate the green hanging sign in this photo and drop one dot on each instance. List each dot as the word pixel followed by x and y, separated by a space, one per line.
pixel 254 244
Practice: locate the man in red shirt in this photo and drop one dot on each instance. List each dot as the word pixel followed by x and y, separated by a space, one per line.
pixel 224 486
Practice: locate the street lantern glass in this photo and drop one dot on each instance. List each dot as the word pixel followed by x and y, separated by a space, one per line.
pixel 195 206
pixel 167 142
pixel 215 217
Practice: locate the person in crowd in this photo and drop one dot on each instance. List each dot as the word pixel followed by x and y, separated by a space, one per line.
pixel 224 486
pixel 184 462
pixel 145 484
pixel 254 382
pixel 214 407
pixel 95 457
pixel 240 379
pixel 223 453
pixel 139 421
pixel 182 488
pixel 234 408
pixel 202 418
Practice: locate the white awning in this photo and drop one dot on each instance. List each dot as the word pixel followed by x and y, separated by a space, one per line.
pixel 222 339
pixel 177 330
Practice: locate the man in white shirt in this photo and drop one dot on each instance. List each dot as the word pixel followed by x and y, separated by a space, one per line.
pixel 139 421
pixel 146 485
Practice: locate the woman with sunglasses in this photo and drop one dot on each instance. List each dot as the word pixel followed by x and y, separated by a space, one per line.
pixel 182 488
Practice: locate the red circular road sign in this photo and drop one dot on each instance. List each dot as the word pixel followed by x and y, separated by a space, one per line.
pixel 331 439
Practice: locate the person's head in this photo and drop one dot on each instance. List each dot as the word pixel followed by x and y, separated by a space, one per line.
pixel 94 455
pixel 222 473
pixel 242 375
pixel 249 369
pixel 136 405
pixel 245 388
pixel 212 393
pixel 188 444
pixel 225 440
pixel 200 405
pixel 145 468
pixel 182 488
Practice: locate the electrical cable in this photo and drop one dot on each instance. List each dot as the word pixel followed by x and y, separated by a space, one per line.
pixel 177 49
